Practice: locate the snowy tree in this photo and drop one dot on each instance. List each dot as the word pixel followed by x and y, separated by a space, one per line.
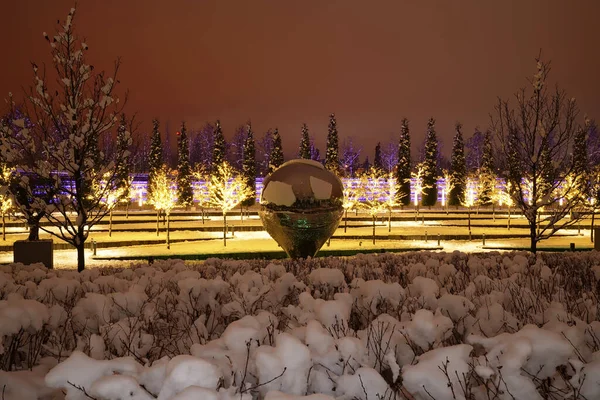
pixel 68 120
pixel 163 197
pixel 403 174
pixel 220 148
pixel 486 183
pixel 264 148
pixel 226 189
pixel 449 186
pixel 332 162
pixel 474 151
pixel 123 145
pixel 377 162
pixel 236 147
pixel 249 167
pixel 304 151
pixel 315 154
pixel 458 170
pixel 350 157
pixel 537 137
pixel 155 160
pixel 389 156
pixel 6 203
pixel 185 195
pixel 276 158
pixel 430 166
pixel 202 147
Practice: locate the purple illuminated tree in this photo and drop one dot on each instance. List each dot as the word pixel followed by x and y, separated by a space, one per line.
pixel 350 157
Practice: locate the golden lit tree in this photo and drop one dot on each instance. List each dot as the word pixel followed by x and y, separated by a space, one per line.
pixel 469 200
pixel 374 192
pixel 164 197
pixel 449 185
pixel 503 197
pixel 352 194
pixel 112 196
pixel 419 186
pixel 393 197
pixel 226 189
pixel 200 188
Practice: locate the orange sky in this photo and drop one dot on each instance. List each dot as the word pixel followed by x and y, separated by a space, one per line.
pixel 281 63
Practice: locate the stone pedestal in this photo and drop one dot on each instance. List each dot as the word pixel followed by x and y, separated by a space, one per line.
pixel 31 252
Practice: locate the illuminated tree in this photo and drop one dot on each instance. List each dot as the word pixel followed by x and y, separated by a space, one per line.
pixel 419 186
pixel 112 196
pixel 155 160
pixel 403 173
pixel 70 109
pixel 537 137
pixel 486 181
pixel 392 198
pixel 226 189
pixel 389 156
pixel 430 166
pixel 185 195
pixel 249 168
pixel 276 157
pixel 353 191
pixel 458 170
pixel 201 176
pixel 304 151
pixel 504 196
pixel 374 192
pixel 332 162
pixel 164 197
pixel 469 201
pixel 350 157
pixel 449 188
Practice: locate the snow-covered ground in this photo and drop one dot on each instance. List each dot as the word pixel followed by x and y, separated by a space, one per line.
pixel 420 325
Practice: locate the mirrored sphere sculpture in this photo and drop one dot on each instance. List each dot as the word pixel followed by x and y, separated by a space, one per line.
pixel 301 206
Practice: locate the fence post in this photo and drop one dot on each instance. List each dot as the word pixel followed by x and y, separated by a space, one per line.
pixel 438 235
pixel 93 247
pixel 483 239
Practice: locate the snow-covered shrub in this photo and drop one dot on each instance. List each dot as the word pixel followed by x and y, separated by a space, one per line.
pixel 372 326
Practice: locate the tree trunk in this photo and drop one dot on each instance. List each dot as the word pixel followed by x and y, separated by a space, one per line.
pixel 164 215
pixel 592 228
pixel 374 218
pixel 110 223
pixel 202 212
pixel 127 210
pixel 241 213
pixel 168 236
pixel 509 218
pixel 469 214
pixel 80 254
pixel 345 220
pixel 224 229
pixel 157 221
pixel 494 211
pixel 532 234
pixel 390 220
pixel 3 227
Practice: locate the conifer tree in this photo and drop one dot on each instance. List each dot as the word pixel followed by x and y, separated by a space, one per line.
pixel 249 167
pixel 332 161
pixel 185 194
pixel 458 169
pixel 276 158
pixel 219 148
pixel 377 162
pixel 430 172
pixel 304 144
pixel 487 177
pixel 581 168
pixel 403 166
pixel 155 160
